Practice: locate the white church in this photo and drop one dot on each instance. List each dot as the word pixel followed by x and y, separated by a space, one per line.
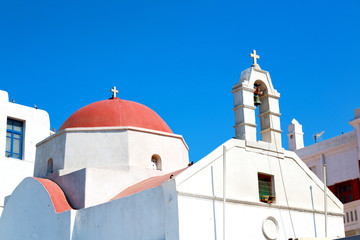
pixel 115 170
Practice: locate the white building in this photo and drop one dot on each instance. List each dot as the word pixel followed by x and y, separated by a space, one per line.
pixel 21 128
pixel 341 155
pixel 115 170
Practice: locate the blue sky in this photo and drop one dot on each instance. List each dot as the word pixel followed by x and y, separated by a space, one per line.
pixel 181 58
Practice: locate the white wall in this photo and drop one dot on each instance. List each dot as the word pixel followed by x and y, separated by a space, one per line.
pixel 205 221
pixel 298 193
pixel 36 127
pixel 141 216
pixel 110 147
pixel 93 165
pixel 340 156
pixel 29 214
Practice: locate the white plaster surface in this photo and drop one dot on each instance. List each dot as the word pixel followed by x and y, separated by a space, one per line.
pixel 94 165
pixel 295 135
pixel 298 208
pixel 340 155
pixel 116 147
pixel 29 214
pixel 189 206
pixel 36 127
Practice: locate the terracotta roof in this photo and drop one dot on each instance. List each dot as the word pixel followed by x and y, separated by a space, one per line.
pixel 147 184
pixel 115 112
pixel 56 194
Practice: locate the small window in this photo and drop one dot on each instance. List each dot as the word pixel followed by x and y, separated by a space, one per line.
pixel 156 162
pixel 266 193
pixel 355 213
pixel 14 139
pixel 347 217
pixel 351 216
pixel 50 166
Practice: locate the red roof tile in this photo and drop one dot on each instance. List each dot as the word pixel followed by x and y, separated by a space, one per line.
pixel 116 112
pixel 56 194
pixel 147 184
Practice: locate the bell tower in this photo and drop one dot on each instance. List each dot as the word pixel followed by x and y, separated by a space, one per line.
pixel 253 90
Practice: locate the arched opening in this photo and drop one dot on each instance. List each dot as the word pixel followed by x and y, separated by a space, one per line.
pixel 50 166
pixel 156 162
pixel 261 103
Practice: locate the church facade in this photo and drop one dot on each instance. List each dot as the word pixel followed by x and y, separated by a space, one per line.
pixel 115 170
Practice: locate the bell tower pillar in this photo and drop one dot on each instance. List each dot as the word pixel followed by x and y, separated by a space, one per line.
pixel 255 80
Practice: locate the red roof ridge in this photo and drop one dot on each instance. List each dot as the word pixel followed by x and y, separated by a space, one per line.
pixel 148 183
pixel 57 195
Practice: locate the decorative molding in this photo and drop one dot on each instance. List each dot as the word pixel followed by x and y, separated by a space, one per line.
pixel 244 106
pixel 269 112
pixel 117 129
pixel 270 129
pixel 240 87
pixel 248 124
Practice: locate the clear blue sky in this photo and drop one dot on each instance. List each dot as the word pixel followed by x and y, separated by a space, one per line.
pixel 181 58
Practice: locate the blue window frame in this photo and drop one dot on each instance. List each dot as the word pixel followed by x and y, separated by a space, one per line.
pixel 14 139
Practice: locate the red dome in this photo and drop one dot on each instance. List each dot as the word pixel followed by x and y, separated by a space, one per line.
pixel 116 113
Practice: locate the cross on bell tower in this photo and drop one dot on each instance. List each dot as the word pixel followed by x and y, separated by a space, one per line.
pixel 254 56
pixel 114 91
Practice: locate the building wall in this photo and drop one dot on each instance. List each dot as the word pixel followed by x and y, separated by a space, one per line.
pixel 171 149
pixel 299 197
pixel 244 221
pixel 36 126
pixel 29 214
pixel 340 156
pixel 112 148
pixel 139 216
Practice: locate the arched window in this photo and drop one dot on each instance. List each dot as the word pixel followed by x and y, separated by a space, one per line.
pixel 156 162
pixel 50 166
pixel 264 120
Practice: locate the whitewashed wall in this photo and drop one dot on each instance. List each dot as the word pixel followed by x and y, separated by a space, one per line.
pixel 29 214
pixel 340 156
pixel 298 208
pixel 36 128
pixel 111 147
pixel 140 216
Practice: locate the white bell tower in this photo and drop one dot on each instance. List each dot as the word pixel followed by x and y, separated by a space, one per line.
pixel 295 135
pixel 244 108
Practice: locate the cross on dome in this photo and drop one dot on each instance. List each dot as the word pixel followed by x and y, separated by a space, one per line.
pixel 114 91
pixel 254 56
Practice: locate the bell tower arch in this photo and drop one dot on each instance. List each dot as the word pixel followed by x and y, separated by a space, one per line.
pixel 255 89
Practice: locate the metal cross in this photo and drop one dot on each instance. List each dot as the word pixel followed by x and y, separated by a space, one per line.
pixel 114 91
pixel 254 56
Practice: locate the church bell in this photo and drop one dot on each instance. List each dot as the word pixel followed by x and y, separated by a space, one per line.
pixel 257 94
pixel 257 101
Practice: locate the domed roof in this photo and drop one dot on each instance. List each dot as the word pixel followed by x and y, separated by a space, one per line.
pixel 115 112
